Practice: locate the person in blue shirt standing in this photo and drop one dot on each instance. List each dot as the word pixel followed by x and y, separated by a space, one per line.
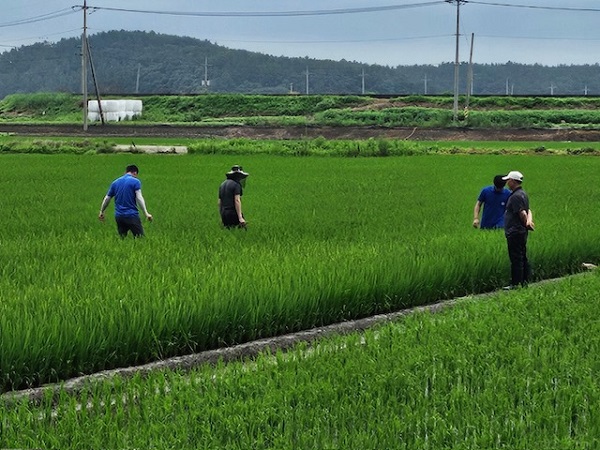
pixel 493 199
pixel 127 192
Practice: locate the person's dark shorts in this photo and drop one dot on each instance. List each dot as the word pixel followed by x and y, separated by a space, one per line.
pixel 133 224
pixel 230 219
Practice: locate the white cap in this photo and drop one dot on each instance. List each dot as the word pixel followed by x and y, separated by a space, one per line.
pixel 513 175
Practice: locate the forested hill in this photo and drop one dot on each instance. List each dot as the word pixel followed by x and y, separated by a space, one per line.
pixel 150 63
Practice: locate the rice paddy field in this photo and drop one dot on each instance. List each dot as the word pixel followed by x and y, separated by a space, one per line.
pixel 514 370
pixel 329 239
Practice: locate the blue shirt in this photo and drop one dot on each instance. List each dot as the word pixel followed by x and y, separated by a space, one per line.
pixel 494 204
pixel 123 190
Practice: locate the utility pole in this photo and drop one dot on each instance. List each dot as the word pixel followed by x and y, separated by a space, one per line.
pixel 507 87
pixel 84 48
pixel 307 73
pixel 205 81
pixel 137 80
pixel 470 74
pixel 362 91
pixel 425 82
pixel 585 90
pixel 456 57
pixel 95 80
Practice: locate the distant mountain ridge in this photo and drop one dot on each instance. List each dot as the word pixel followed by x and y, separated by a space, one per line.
pixel 129 62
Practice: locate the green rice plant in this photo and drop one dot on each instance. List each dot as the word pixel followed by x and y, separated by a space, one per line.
pixel 329 239
pixel 512 370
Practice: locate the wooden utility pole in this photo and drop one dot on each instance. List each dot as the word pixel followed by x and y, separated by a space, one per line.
pixel 206 81
pixel 84 49
pixel 307 73
pixel 95 80
pixel 363 82
pixel 456 57
pixel 137 79
pixel 470 74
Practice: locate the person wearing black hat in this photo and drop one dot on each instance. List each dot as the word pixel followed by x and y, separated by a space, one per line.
pixel 230 198
pixel 518 222
pixel 493 199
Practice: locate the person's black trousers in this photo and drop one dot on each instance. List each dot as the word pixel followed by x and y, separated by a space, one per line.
pixel 133 224
pixel 517 252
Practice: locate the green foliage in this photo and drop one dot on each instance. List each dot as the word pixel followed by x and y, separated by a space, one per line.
pixel 200 108
pixel 320 110
pixel 50 104
pixel 55 146
pixel 306 147
pixel 534 119
pixel 391 117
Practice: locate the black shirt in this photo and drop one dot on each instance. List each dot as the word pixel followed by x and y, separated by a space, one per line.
pixel 227 192
pixel 517 202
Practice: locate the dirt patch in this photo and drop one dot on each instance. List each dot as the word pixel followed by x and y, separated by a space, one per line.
pixel 308 132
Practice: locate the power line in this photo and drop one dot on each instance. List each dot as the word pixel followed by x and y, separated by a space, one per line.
pixel 551 8
pixel 41 18
pixel 273 13
pixel 338 41
pixel 27 39
pixel 541 38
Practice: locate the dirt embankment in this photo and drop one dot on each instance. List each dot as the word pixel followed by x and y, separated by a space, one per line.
pixel 416 133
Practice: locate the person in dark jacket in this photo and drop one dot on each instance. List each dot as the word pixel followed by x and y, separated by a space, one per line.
pixel 518 222
pixel 230 198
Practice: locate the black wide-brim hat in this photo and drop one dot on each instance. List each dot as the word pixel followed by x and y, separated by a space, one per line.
pixel 237 172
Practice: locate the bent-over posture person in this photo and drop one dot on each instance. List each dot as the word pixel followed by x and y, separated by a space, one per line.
pixel 493 200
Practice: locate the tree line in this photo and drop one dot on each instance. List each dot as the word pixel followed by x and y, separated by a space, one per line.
pixel 136 62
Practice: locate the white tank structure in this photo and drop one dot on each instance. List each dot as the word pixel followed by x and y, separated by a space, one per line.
pixel 114 110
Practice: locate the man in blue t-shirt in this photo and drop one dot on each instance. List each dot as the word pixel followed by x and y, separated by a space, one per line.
pixel 493 199
pixel 127 192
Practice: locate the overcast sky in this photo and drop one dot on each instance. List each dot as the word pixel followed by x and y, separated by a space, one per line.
pixel 386 32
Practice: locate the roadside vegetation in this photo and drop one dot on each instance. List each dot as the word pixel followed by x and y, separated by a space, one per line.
pixel 321 110
pixel 319 146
